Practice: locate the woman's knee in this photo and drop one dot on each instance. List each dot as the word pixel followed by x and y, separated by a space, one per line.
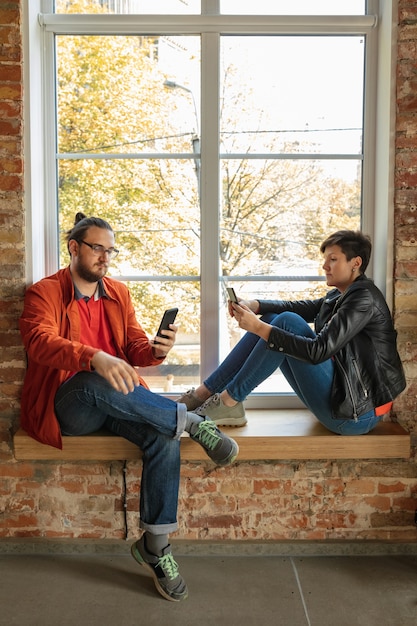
pixel 293 323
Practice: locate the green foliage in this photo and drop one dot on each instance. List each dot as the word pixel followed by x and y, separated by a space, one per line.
pixel 111 99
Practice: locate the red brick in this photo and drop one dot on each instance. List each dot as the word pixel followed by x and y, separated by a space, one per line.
pixel 99 490
pixel 406 160
pixel 378 503
pixel 10 91
pixel 335 520
pixel 405 179
pixel 11 183
pixel 393 519
pixel 360 486
pixel 10 127
pixel 10 14
pixel 391 488
pixel 17 470
pixel 260 486
pixel 71 486
pixel 18 521
pixel 404 504
pixel 217 521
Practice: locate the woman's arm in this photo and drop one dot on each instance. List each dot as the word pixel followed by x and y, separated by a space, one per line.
pixel 351 317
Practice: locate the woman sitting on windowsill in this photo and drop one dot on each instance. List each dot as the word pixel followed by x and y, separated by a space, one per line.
pixel 347 371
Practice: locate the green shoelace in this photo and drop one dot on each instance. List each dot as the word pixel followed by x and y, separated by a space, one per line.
pixel 206 434
pixel 169 566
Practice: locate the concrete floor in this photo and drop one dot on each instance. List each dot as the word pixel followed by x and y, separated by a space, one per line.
pixel 88 589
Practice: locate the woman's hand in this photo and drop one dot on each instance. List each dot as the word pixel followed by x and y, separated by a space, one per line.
pixel 252 305
pixel 249 321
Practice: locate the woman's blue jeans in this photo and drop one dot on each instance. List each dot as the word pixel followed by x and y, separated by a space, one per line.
pixel 251 362
pixel 87 402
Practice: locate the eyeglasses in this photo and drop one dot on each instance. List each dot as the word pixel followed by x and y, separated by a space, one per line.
pixel 101 250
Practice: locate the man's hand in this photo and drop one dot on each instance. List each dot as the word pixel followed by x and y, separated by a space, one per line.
pixel 117 372
pixel 162 345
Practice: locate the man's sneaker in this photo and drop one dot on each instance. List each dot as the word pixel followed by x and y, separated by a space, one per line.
pixel 222 449
pixel 223 415
pixel 164 570
pixel 190 400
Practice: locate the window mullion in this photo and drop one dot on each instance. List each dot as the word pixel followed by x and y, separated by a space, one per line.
pixel 210 201
pixel 210 7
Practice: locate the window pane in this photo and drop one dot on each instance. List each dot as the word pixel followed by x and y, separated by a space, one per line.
pixel 295 7
pixel 292 94
pixel 300 130
pixel 181 368
pixel 168 7
pixel 115 96
pixel 275 213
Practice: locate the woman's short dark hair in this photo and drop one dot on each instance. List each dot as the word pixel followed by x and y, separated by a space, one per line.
pixel 352 243
pixel 81 224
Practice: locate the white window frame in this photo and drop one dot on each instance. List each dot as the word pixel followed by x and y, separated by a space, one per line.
pixel 40 26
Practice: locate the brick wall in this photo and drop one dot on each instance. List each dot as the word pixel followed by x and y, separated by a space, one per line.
pixel 12 243
pixel 274 500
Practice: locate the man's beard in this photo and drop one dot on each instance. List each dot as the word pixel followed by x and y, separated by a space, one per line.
pixel 88 275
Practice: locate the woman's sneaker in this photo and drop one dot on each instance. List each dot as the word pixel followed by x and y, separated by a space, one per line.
pixel 190 400
pixel 223 415
pixel 164 570
pixel 222 449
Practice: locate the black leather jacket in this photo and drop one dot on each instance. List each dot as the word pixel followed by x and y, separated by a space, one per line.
pixel 356 330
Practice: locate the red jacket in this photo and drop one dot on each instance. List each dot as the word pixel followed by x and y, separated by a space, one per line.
pixel 50 328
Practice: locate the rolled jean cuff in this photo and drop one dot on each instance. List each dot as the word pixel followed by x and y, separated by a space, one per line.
pixel 159 529
pixel 181 420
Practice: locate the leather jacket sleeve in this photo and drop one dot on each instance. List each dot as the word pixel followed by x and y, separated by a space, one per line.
pixel 340 320
pixel 307 309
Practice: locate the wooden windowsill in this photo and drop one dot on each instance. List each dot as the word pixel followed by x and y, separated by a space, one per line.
pixel 269 435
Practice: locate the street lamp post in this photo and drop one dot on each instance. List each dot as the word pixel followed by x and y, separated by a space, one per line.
pixel 195 138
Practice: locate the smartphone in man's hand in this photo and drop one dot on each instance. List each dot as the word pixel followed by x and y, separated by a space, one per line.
pixel 167 319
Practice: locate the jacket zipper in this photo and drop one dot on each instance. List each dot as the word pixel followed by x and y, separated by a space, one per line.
pixel 355 413
pixel 364 389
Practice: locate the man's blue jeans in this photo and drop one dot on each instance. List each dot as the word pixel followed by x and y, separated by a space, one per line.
pixel 251 362
pixel 87 402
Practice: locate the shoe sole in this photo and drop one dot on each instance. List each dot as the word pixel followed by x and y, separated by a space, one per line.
pixel 138 558
pixel 230 421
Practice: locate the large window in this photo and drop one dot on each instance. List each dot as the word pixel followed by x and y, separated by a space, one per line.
pixel 222 146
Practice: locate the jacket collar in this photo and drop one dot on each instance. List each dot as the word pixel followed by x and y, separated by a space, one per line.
pixel 100 292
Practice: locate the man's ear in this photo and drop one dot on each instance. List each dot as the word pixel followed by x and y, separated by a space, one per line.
pixel 72 247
